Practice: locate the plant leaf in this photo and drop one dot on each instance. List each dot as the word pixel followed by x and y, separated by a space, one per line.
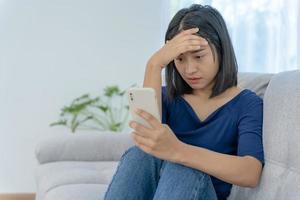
pixel 109 91
pixel 62 122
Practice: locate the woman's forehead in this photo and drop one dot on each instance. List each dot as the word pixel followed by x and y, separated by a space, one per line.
pixel 202 50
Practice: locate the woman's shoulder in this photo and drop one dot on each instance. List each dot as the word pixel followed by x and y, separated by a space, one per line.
pixel 249 102
pixel 240 97
pixel 248 96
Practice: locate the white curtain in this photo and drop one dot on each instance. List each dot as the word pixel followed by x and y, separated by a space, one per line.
pixel 264 33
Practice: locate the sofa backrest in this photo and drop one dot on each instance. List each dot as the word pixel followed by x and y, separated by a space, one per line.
pixel 257 82
pixel 281 137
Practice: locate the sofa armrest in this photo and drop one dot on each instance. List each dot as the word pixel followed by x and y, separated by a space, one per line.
pixel 104 146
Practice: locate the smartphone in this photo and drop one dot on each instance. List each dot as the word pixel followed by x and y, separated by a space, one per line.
pixel 145 99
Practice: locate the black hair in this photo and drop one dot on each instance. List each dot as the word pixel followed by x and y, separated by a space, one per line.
pixel 212 27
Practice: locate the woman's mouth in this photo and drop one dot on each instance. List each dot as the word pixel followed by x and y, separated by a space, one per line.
pixel 194 80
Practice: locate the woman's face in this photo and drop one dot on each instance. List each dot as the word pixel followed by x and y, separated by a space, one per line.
pixel 198 68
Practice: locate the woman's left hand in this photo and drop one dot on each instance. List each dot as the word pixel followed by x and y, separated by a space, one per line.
pixel 159 140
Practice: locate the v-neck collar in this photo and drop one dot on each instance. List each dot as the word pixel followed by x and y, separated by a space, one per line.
pixel 194 114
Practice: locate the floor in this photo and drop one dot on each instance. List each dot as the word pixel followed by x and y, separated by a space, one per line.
pixel 21 196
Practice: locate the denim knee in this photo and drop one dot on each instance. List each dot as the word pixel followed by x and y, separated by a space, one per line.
pixel 134 153
pixel 136 176
pixel 178 182
pixel 184 169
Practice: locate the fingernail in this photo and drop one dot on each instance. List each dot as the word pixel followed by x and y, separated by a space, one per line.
pixel 131 124
pixel 137 110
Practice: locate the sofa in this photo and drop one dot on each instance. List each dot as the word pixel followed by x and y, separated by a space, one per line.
pixel 80 166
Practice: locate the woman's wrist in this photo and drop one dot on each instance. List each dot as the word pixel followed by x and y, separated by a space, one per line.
pixel 153 66
pixel 179 152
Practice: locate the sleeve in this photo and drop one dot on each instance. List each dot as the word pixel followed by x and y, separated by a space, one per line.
pixel 165 105
pixel 250 141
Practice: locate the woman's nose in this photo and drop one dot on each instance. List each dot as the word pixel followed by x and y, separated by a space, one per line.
pixel 190 68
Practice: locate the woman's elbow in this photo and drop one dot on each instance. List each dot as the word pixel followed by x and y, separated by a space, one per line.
pixel 253 173
pixel 254 183
pixel 249 181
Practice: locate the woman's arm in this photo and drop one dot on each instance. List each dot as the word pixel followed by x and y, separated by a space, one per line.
pixel 152 79
pixel 161 142
pixel 181 43
pixel 243 171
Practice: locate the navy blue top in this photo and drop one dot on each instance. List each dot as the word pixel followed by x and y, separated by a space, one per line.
pixel 234 128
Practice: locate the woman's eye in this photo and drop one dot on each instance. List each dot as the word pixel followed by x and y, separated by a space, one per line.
pixel 179 59
pixel 198 57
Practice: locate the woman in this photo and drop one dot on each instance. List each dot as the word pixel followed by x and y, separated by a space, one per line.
pixel 211 131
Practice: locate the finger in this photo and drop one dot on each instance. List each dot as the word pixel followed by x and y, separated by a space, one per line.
pixel 202 40
pixel 140 134
pixel 135 140
pixel 188 38
pixel 192 42
pixel 186 32
pixel 143 147
pixel 149 118
pixel 141 140
pixel 139 127
pixel 186 48
pixel 190 45
pixel 190 31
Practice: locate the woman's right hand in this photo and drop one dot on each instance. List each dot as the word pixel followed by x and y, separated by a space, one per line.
pixel 181 43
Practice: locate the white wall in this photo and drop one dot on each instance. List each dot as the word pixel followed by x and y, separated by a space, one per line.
pixel 54 51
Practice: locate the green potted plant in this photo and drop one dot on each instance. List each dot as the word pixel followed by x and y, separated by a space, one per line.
pixel 106 112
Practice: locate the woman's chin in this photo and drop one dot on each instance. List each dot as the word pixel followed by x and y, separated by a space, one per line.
pixel 200 84
pixel 197 86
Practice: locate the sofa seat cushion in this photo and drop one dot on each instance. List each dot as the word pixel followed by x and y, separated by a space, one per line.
pixel 55 177
pixel 77 192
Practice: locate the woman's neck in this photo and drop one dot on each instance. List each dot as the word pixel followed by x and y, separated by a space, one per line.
pixel 204 93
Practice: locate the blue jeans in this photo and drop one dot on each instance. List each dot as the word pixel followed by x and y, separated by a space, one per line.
pixel 141 176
